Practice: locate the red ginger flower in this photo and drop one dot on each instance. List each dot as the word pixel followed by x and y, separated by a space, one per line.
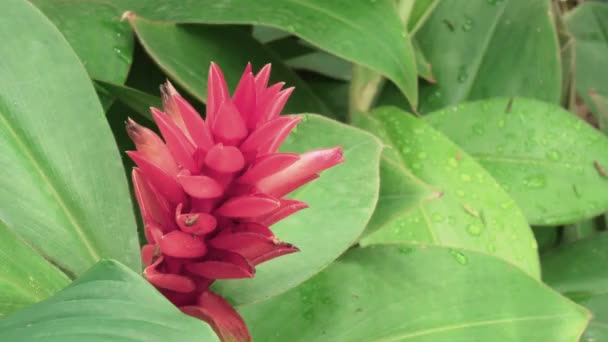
pixel 211 189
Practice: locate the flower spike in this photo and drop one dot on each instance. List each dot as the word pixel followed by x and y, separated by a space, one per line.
pixel 209 190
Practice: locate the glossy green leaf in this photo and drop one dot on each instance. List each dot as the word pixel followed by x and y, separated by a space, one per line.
pixel 579 271
pixel 52 131
pixel 588 24
pixel 185 53
pixel 367 33
pixel 341 203
pixel 107 303
pixel 400 192
pixel 550 161
pixel 470 210
pixel 324 64
pixel 419 13
pixel 480 49
pixel 418 294
pixel 425 69
pixel 95 31
pixel 25 277
pixel 136 99
pixel 266 34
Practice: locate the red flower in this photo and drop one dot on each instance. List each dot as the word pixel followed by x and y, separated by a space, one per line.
pixel 211 189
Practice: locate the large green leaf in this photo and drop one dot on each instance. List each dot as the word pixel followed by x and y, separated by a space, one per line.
pixel 185 52
pixel 96 33
pixel 365 32
pixel 549 160
pixel 341 203
pixel 588 24
pixel 62 186
pixel 108 303
pixel 579 271
pixel 25 277
pixel 470 210
pixel 480 49
pixel 418 294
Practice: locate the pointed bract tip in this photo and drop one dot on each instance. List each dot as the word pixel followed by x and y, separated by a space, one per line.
pixel 167 89
pixel 135 131
pixel 127 15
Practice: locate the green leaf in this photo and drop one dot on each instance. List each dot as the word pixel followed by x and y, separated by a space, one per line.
pixel 417 294
pixel 25 277
pixel 588 24
pixel 341 203
pixel 425 69
pixel 185 52
pixel 419 13
pixel 550 161
pixel 579 271
pixel 367 33
pixel 136 99
pixel 400 192
pixel 52 133
pixel 108 303
pixel 97 35
pixel 480 49
pixel 470 209
pixel 324 64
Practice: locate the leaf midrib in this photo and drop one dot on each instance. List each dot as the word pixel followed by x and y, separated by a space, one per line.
pixel 469 325
pixel 27 152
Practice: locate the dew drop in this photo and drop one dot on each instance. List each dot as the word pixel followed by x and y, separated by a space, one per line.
pixel 467 25
pixel 554 155
pixel 437 217
pixel 478 129
pixel 416 166
pixel 535 182
pixel 422 155
pixel 491 248
pixel 465 177
pixel 474 229
pixel 459 257
pixel 405 250
pixel 460 193
pixel 501 123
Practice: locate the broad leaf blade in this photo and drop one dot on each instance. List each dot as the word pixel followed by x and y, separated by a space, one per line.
pixel 95 31
pixel 108 303
pixel 417 294
pixel 341 203
pixel 185 54
pixel 480 49
pixel 549 160
pixel 367 33
pixel 26 278
pixel 93 28
pixel 470 209
pixel 52 133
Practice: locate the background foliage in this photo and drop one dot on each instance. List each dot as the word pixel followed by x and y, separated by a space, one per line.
pixel 471 206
